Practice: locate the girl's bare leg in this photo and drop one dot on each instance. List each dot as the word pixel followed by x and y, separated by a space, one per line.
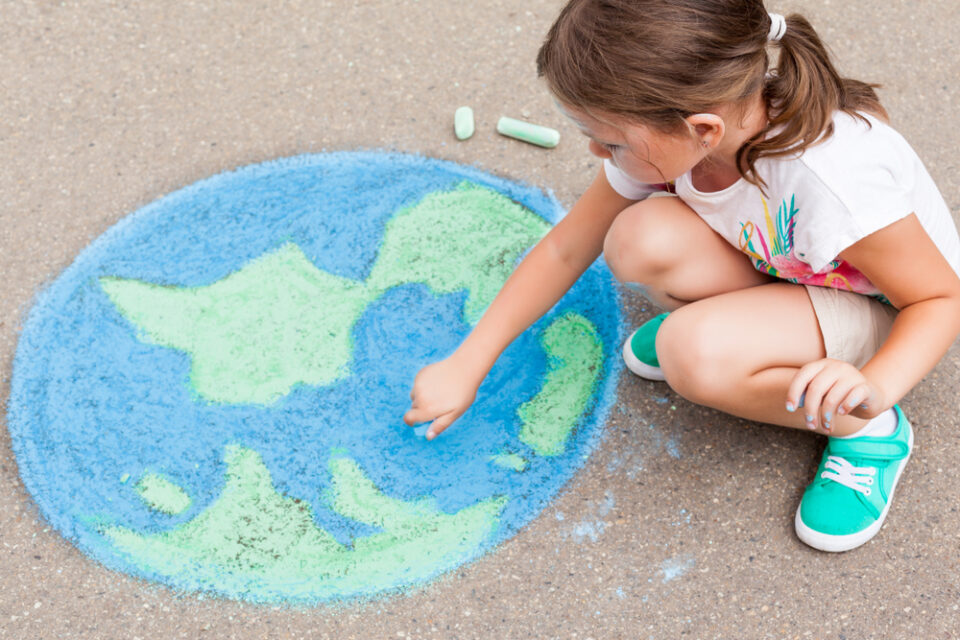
pixel 664 246
pixel 730 344
pixel 737 352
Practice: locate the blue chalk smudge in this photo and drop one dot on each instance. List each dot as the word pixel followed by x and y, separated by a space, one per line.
pixel 673 448
pixel 590 530
pixel 683 512
pixel 607 505
pixel 594 526
pixel 675 567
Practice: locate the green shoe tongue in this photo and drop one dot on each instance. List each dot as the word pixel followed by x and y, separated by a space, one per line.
pixel 868 449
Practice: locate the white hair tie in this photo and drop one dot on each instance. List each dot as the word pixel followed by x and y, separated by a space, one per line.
pixel 778 27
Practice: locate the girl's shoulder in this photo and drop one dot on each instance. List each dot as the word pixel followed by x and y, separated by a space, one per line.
pixel 860 179
pixel 861 138
pixel 862 154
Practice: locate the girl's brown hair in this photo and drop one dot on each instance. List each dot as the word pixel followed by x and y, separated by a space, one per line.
pixel 657 62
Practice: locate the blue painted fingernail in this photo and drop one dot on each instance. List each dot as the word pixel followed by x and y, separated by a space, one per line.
pixel 863 406
pixel 809 418
pixel 790 407
pixel 827 417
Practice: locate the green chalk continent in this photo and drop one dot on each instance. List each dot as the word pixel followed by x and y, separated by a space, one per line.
pixel 468 238
pixel 575 359
pixel 255 334
pixel 509 461
pixel 162 495
pixel 280 321
pixel 254 543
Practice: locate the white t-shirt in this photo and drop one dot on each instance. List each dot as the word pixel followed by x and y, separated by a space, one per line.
pixel 858 181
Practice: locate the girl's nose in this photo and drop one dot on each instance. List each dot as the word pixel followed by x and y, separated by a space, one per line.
pixel 599 150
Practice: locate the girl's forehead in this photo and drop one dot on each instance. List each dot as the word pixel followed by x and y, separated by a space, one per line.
pixel 591 123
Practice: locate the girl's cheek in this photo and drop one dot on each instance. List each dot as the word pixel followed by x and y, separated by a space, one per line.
pixel 642 171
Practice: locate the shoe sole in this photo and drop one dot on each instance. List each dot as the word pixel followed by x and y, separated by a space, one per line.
pixel 639 367
pixel 836 544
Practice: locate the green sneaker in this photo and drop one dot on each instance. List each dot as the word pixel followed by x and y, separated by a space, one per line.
pixel 639 352
pixel 848 500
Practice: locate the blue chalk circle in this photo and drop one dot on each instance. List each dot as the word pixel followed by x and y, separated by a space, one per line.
pixel 108 388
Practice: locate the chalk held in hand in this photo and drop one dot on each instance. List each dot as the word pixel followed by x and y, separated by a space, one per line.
pixel 532 133
pixel 463 123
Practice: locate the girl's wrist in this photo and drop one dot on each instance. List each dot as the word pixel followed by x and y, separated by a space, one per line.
pixel 474 359
pixel 877 402
pixel 883 394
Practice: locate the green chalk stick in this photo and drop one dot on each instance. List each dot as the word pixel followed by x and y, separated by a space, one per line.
pixel 463 123
pixel 532 133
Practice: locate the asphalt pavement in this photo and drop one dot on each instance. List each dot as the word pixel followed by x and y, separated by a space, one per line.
pixel 680 524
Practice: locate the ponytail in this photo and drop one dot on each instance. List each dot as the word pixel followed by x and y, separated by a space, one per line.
pixel 802 95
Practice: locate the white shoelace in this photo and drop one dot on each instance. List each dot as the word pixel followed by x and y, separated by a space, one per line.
pixel 856 478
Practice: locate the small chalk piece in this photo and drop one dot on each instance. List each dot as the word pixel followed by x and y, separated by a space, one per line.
pixel 463 123
pixel 532 133
pixel 421 430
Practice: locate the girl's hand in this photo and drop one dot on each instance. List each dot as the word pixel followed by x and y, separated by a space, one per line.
pixel 442 392
pixel 827 388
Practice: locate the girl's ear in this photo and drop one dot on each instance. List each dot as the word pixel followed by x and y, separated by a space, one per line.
pixel 708 128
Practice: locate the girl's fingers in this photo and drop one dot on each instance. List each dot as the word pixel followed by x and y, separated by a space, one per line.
pixel 416 415
pixel 854 398
pixel 799 384
pixel 440 424
pixel 832 401
pixel 813 401
pixel 825 389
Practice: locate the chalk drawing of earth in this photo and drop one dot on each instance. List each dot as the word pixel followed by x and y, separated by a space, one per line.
pixel 211 395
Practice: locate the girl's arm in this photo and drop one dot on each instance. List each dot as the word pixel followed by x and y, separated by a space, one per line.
pixel 904 263
pixel 443 391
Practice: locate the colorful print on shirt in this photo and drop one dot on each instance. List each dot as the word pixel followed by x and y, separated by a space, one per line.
pixel 778 257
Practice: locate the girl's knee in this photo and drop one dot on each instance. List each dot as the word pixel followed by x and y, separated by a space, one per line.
pixel 693 357
pixel 641 243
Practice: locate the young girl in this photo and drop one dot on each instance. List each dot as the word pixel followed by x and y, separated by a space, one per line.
pixel 807 261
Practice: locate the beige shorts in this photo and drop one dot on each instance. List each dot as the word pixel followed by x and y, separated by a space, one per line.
pixel 853 325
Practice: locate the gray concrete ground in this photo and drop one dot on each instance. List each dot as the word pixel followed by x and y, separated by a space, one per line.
pixel 107 106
